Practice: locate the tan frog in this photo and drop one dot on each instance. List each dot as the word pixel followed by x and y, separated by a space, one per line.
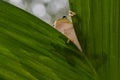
pixel 65 26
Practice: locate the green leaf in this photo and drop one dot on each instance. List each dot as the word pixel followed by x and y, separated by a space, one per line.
pixel 30 49
pixel 97 27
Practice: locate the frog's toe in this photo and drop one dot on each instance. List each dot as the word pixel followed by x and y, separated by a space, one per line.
pixel 71 13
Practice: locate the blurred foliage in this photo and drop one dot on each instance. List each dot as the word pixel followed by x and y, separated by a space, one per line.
pixel 97 26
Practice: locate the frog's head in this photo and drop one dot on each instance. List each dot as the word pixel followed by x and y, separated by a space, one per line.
pixel 61 21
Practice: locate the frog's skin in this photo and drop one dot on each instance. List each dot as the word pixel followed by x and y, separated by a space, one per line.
pixel 65 26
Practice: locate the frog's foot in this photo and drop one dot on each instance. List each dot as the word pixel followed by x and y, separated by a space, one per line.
pixel 71 13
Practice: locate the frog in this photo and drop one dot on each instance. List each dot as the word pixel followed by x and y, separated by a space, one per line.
pixel 65 26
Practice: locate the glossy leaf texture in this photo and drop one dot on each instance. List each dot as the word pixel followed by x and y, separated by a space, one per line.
pixel 30 49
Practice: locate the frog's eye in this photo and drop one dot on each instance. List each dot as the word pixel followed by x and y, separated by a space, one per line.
pixel 64 17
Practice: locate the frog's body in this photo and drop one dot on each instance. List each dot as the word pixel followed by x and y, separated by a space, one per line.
pixel 65 26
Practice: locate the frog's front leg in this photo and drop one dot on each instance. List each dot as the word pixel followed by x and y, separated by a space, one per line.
pixel 68 41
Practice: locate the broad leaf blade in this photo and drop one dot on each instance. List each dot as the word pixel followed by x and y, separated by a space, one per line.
pixel 30 49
